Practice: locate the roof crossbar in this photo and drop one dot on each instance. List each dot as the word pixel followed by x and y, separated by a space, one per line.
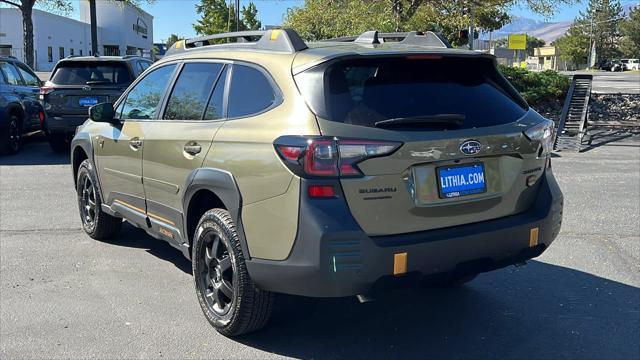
pixel 429 38
pixel 281 40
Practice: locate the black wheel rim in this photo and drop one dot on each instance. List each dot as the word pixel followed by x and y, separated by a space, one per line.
pixel 216 274
pixel 14 135
pixel 88 201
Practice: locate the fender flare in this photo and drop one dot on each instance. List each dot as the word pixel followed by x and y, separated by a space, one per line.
pixel 223 184
pixel 82 140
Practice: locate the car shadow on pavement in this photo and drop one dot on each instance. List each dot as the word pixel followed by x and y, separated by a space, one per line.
pixel 601 137
pixel 132 237
pixel 35 150
pixel 540 311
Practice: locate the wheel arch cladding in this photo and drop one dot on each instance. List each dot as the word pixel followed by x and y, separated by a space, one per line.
pixel 210 188
pixel 82 150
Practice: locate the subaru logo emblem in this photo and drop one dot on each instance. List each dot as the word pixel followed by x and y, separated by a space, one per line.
pixel 86 88
pixel 470 147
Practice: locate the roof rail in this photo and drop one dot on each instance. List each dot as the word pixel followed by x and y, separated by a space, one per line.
pixel 429 38
pixel 283 40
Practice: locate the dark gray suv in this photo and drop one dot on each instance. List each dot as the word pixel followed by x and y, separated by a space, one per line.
pixel 76 83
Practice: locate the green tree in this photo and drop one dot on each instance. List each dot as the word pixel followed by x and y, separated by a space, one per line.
pixel 574 46
pixel 172 39
pixel 318 19
pixel 26 8
pixel 630 31
pixel 216 16
pixel 250 17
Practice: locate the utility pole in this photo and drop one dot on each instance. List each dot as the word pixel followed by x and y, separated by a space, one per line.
pixel 94 28
pixel 237 14
pixel 471 27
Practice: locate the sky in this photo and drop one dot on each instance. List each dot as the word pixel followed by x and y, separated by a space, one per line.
pixel 177 16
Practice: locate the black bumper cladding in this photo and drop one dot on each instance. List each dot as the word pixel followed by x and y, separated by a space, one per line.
pixel 333 257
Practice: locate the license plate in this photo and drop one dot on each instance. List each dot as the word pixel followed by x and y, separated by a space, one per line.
pixel 461 180
pixel 88 101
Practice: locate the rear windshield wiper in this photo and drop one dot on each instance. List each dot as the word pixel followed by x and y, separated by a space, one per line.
pixel 455 120
pixel 96 82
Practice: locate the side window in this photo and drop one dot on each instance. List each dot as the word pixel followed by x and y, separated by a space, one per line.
pixel 142 66
pixel 142 101
pixel 215 107
pixel 29 78
pixel 191 91
pixel 10 72
pixel 250 92
pixel 118 110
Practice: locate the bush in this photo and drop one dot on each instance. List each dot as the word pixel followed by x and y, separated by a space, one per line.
pixel 537 87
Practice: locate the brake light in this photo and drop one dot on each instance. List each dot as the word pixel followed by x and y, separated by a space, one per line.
pixel 329 157
pixel 41 117
pixel 543 133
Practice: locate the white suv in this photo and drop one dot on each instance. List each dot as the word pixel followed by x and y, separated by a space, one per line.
pixel 632 64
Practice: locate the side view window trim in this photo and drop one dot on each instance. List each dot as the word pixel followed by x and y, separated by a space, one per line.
pixel 279 98
pixel 215 83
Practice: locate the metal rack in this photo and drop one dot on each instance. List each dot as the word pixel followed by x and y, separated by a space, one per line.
pixel 429 38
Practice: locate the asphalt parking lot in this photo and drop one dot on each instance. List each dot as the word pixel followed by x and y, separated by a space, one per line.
pixel 606 82
pixel 63 295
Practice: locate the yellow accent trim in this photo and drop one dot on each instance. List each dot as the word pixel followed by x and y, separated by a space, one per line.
pixel 400 263
pixel 157 217
pixel 129 206
pixel 179 44
pixel 533 237
pixel 275 33
pixel 164 220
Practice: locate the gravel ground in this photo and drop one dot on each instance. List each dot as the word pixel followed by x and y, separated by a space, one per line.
pixel 63 295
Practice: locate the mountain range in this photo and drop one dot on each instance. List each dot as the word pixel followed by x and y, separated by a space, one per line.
pixel 548 31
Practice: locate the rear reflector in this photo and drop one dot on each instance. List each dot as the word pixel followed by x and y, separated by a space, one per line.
pixel 321 191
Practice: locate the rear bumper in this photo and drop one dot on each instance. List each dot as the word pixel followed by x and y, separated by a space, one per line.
pixel 66 124
pixel 333 257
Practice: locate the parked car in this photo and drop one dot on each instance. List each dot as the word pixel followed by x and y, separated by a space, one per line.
pixel 321 169
pixel 20 110
pixel 78 82
pixel 631 64
pixel 613 65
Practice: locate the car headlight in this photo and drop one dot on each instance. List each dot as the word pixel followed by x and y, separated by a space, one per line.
pixel 543 133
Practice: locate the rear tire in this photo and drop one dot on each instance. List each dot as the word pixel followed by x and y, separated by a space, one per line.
pixel 229 299
pixel 58 142
pixel 95 222
pixel 12 137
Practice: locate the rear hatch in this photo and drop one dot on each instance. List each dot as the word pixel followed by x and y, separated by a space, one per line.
pixel 464 157
pixel 76 85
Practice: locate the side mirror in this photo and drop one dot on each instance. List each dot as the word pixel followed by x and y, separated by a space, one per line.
pixel 102 112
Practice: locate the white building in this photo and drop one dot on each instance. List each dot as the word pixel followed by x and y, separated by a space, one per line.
pixel 122 30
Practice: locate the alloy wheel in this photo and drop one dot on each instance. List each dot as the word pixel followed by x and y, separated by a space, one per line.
pixel 216 274
pixel 88 201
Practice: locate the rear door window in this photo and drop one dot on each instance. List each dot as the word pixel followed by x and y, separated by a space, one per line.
pixel 251 92
pixel 10 73
pixel 192 90
pixel 29 78
pixel 365 91
pixel 92 73
pixel 143 100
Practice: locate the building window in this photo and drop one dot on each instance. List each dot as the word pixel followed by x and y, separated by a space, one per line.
pixel 71 51
pixel 111 50
pixel 50 54
pixel 5 50
pixel 80 52
pixel 131 50
pixel 61 52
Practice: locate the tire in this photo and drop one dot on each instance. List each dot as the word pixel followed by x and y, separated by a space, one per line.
pixel 12 137
pixel 451 281
pixel 95 222
pixel 229 299
pixel 58 142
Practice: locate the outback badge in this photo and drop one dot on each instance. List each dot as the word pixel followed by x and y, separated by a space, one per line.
pixel 470 147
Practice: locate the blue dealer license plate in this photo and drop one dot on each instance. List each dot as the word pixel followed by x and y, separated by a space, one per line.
pixel 88 101
pixel 455 181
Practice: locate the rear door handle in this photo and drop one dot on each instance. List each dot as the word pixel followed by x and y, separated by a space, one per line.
pixel 192 149
pixel 135 143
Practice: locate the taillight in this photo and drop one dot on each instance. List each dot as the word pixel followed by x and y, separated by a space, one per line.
pixel 329 157
pixel 543 133
pixel 44 90
pixel 41 117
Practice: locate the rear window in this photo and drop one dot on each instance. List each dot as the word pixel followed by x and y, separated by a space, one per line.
pixel 365 91
pixel 92 73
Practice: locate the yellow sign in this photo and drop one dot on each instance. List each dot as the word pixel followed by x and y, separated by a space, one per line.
pixel 517 41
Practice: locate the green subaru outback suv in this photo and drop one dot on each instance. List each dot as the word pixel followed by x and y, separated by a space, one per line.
pixel 321 169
